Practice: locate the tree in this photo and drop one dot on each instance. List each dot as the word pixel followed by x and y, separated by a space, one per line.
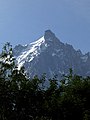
pixel 23 98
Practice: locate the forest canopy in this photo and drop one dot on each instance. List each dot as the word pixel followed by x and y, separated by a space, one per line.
pixel 22 98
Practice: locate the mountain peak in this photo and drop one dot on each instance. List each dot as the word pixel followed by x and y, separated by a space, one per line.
pixel 49 55
pixel 49 34
pixel 51 38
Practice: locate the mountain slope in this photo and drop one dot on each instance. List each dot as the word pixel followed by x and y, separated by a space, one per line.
pixel 49 55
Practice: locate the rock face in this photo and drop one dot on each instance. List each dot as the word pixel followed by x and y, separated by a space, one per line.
pixel 49 55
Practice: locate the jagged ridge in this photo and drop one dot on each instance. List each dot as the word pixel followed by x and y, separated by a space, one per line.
pixel 49 55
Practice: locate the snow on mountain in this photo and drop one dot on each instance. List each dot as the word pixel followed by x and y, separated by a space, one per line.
pixel 30 52
pixel 49 55
pixel 84 58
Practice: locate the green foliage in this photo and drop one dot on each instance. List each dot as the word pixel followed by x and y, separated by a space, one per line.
pixel 22 98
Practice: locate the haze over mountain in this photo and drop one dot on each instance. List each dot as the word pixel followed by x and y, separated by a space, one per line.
pixel 49 55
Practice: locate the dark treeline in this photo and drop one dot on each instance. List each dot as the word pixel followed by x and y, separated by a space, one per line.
pixel 22 98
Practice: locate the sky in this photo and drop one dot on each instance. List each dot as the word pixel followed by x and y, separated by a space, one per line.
pixel 24 21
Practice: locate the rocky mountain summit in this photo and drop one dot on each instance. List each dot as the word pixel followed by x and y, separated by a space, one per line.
pixel 49 55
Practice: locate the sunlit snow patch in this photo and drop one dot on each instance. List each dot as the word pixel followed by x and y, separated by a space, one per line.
pixel 31 51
